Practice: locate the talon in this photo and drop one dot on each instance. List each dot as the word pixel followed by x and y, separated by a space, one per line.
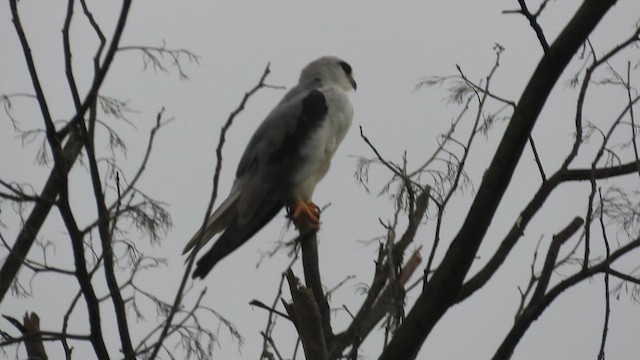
pixel 305 215
pixel 315 209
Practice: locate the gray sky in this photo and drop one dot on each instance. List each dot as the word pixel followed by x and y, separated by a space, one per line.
pixel 390 48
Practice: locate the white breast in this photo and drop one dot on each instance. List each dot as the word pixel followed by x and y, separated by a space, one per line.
pixel 318 150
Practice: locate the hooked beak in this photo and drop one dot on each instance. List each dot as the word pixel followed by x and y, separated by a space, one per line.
pixel 353 83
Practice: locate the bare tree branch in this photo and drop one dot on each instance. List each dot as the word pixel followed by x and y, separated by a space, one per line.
pixel 583 92
pixel 308 320
pixel 66 43
pixel 623 276
pixel 65 156
pixel 365 319
pixel 467 148
pixel 33 337
pixel 634 139
pixel 537 158
pixel 534 310
pixel 107 241
pixel 311 267
pixel 154 56
pixel 552 254
pixel 533 21
pixel 444 286
pixel 214 194
pixel 607 298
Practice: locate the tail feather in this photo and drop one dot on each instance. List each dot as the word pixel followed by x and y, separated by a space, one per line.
pixel 233 237
pixel 225 245
pixel 216 223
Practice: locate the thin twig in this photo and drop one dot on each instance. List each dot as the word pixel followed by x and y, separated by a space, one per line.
pixel 634 140
pixel 262 305
pixel 607 308
pixel 533 311
pixel 467 148
pixel 533 21
pixel 68 67
pixel 552 254
pixel 537 158
pixel 71 149
pixel 214 194
pixel 623 276
pixel 270 319
pixel 583 92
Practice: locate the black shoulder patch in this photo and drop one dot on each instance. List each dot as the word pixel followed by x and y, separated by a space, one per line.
pixel 313 112
pixel 314 106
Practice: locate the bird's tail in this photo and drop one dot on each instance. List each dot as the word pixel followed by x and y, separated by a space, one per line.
pixel 233 237
pixel 216 223
pixel 227 243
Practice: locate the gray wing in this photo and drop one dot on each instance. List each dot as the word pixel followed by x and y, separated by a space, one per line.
pixel 265 172
pixel 273 153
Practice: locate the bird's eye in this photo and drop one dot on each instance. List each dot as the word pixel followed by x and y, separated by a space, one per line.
pixel 346 67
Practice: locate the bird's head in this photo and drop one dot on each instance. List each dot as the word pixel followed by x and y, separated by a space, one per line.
pixel 330 69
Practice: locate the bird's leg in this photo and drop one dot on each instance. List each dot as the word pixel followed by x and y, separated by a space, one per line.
pixel 305 215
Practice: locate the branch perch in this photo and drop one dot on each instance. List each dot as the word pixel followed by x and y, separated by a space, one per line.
pixel 308 320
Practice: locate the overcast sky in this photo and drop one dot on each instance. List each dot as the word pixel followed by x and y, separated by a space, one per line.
pixel 390 48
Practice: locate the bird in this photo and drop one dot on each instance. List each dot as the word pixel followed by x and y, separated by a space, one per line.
pixel 287 156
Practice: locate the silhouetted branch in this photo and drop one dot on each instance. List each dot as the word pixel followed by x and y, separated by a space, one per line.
pixel 533 21
pixel 190 334
pixel 262 305
pixel 104 230
pixel 214 194
pixel 552 254
pixel 308 319
pixel 538 199
pixel 22 245
pixel 270 319
pixel 33 337
pixel 534 310
pixel 623 276
pixel 389 165
pixel 607 298
pixel 385 303
pixel 66 44
pixel 443 288
pixel 16 194
pixel 310 264
pixel 154 56
pixel 583 92
pixel 65 156
pixel 485 92
pixel 380 293
pixel 537 158
pixel 601 151
pixel 634 139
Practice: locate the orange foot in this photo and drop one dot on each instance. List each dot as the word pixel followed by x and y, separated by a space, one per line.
pixel 305 215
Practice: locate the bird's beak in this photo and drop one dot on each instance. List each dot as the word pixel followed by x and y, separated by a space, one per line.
pixel 353 83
